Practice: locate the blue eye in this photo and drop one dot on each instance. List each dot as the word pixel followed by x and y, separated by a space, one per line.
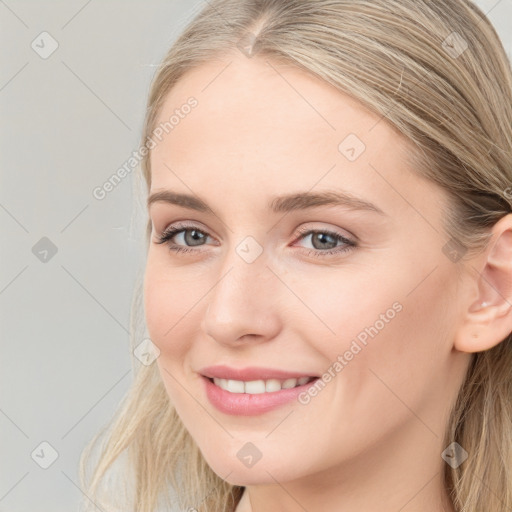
pixel 318 236
pixel 170 233
pixel 322 236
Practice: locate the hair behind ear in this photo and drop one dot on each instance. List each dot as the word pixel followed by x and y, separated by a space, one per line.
pixel 481 423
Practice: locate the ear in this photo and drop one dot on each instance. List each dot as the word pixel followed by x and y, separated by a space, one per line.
pixel 488 319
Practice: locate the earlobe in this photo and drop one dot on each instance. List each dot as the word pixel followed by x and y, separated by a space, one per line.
pixel 488 319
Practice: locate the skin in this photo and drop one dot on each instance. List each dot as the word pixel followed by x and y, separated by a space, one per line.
pixel 372 438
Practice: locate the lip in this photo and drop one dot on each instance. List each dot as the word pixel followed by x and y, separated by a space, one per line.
pixel 250 373
pixel 245 404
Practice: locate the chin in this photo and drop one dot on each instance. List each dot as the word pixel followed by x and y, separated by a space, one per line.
pixel 251 476
pixel 236 471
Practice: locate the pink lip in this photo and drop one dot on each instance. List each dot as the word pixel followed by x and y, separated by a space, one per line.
pixel 245 404
pixel 249 373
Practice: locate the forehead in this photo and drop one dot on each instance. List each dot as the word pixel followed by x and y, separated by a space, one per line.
pixel 267 124
pixel 264 101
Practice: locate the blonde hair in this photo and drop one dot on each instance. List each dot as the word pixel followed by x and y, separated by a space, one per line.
pixel 407 61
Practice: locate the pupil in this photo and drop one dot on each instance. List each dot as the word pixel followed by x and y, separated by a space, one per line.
pixel 194 236
pixel 322 237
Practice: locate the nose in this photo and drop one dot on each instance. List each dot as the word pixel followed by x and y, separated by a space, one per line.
pixel 243 305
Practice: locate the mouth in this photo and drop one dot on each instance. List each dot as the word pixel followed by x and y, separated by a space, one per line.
pixel 252 391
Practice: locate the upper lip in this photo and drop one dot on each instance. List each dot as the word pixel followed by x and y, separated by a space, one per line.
pixel 250 373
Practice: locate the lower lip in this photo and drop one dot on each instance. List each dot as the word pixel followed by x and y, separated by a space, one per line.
pixel 245 404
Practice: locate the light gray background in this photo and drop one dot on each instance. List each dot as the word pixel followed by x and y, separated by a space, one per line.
pixel 68 123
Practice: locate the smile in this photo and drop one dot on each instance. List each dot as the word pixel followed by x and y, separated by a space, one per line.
pixel 256 387
pixel 253 397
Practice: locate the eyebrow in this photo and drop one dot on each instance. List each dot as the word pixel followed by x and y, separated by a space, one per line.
pixel 278 204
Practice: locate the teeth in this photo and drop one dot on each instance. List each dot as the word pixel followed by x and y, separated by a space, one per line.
pixel 256 387
pixel 272 385
pixel 289 383
pixel 235 386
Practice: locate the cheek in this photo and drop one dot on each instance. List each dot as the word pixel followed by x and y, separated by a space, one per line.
pixel 168 305
pixel 391 329
pixel 338 306
pixel 402 353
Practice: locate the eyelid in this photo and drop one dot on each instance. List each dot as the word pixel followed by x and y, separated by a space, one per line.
pixel 183 225
pixel 334 231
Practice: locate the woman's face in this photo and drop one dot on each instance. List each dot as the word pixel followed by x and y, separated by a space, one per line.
pixel 360 291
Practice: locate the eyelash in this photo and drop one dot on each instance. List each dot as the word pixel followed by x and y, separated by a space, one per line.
pixel 169 233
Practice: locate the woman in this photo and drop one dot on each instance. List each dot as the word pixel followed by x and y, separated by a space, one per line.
pixel 371 373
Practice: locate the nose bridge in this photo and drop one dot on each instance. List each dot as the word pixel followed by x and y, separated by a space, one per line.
pixel 240 279
pixel 242 299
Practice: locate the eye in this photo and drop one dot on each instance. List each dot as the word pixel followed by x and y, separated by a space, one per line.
pixel 324 241
pixel 322 237
pixel 195 237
